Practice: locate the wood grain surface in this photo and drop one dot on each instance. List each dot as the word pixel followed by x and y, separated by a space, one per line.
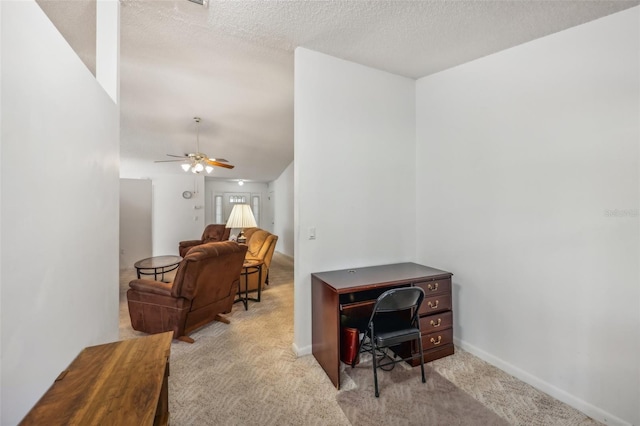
pixel 112 384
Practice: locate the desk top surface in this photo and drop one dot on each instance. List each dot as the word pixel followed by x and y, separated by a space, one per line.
pixel 347 280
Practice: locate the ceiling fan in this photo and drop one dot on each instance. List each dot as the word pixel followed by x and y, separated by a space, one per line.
pixel 196 162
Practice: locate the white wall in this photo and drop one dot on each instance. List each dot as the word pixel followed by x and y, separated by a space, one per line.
pixel 1 209
pixel 59 218
pixel 135 221
pixel 283 208
pixel 175 218
pixel 108 47
pixel 522 158
pixel 354 174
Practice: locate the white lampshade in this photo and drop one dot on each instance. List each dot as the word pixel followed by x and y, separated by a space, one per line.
pixel 185 166
pixel 241 217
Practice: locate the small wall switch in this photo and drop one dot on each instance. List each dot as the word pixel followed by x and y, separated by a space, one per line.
pixel 312 233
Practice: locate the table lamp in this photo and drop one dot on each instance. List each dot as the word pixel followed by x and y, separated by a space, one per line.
pixel 241 217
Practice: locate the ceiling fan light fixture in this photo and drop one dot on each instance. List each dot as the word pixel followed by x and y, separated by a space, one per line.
pixel 197 162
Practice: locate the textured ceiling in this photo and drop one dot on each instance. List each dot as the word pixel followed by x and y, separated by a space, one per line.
pixel 231 63
pixel 76 21
pixel 409 38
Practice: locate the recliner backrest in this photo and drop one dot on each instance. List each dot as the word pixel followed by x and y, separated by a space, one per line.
pixel 215 232
pixel 262 244
pixel 205 268
pixel 258 243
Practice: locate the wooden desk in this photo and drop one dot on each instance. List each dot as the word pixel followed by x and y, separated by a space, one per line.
pixel 120 383
pixel 353 291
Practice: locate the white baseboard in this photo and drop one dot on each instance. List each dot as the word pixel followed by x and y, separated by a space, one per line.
pixel 284 255
pixel 577 403
pixel 305 350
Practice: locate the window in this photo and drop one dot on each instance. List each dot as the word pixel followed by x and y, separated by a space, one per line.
pixel 230 199
pixel 217 203
pixel 255 207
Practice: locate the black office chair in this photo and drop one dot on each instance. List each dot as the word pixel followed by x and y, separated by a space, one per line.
pixel 394 320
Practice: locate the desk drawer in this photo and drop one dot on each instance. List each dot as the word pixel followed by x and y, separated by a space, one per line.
pixel 442 286
pixel 436 339
pixel 436 322
pixel 434 304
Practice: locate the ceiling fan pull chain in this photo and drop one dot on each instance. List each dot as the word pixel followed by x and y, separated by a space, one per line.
pixel 197 134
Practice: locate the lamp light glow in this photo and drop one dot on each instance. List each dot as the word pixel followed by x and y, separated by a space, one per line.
pixel 241 217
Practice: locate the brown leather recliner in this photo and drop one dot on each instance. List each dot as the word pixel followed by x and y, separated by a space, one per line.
pixel 211 233
pixel 261 246
pixel 204 287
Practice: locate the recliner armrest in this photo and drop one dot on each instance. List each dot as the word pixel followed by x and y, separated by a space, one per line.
pixel 185 246
pixel 190 243
pixel 150 286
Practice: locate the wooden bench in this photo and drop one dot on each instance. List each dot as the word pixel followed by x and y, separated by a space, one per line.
pixel 118 383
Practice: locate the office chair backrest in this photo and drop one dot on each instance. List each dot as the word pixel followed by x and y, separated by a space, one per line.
pixel 386 329
pixel 399 299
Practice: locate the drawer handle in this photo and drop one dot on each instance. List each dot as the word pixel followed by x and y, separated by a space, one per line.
pixel 431 305
pixel 436 342
pixel 435 324
pixel 432 287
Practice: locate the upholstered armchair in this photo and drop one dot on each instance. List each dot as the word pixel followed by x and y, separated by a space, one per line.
pixel 211 234
pixel 261 245
pixel 204 287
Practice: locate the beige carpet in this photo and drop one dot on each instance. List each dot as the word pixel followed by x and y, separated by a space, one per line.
pixel 245 373
pixel 405 400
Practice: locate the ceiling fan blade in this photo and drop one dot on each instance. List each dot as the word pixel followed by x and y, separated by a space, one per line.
pixel 218 164
pixel 167 161
pixel 219 160
pixel 178 156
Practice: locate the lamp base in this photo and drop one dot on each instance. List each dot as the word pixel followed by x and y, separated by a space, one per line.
pixel 241 238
